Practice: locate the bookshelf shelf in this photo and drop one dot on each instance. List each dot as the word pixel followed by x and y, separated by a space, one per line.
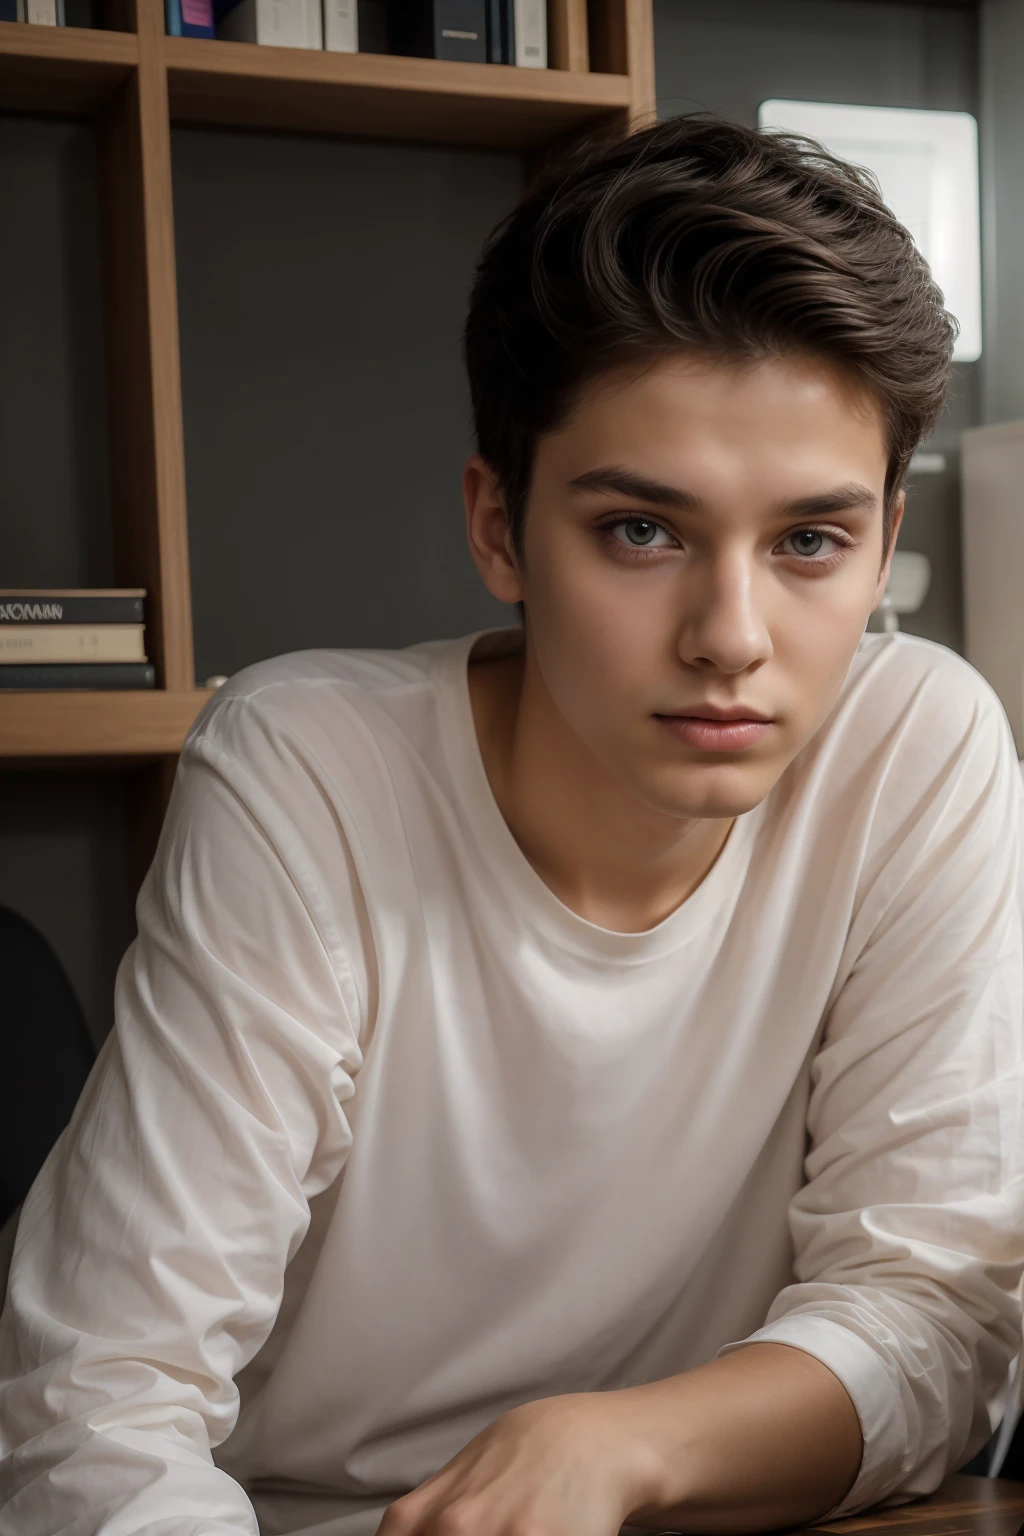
pixel 383 96
pixel 91 726
pixel 62 69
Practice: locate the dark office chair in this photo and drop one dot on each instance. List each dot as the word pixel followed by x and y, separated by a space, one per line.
pixel 45 1056
pixel 1013 1462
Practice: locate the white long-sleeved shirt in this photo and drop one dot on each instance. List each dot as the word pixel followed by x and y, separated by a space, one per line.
pixel 387 1139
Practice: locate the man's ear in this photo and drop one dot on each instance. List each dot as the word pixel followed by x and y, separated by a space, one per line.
pixel 488 533
pixel 883 575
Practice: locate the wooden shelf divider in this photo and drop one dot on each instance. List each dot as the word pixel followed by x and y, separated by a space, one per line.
pixel 143 369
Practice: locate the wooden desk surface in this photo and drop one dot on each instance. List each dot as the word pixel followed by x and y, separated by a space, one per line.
pixel 963 1506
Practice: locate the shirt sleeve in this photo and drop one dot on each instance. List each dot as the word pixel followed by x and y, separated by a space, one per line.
pixel 152 1246
pixel 909 1231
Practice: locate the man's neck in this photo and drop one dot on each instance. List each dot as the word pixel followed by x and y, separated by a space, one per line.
pixel 609 857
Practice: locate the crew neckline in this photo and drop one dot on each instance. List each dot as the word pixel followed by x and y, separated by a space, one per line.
pixel 510 871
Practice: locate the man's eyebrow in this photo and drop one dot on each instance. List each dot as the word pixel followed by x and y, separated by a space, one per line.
pixel 618 481
pixel 845 498
pixel 627 482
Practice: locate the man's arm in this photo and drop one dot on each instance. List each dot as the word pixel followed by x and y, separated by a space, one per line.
pixel 762 1439
pixel 757 1440
pixel 151 1249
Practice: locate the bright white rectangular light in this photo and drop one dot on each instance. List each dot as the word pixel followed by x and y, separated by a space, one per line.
pixel 927 167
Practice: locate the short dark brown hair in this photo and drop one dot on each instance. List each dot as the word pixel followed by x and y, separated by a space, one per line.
pixel 698 234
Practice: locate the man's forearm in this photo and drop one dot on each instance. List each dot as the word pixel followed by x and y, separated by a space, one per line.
pixel 761 1438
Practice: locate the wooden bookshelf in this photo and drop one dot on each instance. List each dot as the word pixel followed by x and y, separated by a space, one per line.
pixel 136 82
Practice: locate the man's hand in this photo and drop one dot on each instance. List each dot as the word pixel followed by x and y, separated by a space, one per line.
pixel 561 1466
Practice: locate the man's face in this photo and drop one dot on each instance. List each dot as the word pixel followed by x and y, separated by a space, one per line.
pixel 670 571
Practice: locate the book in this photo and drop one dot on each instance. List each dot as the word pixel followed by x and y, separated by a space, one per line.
pixel 341 26
pixel 279 23
pixel 41 13
pixel 440 29
pixel 501 47
pixel 46 605
pixel 530 24
pixel 78 675
pixel 373 26
pixel 10 10
pixel 189 18
pixel 71 642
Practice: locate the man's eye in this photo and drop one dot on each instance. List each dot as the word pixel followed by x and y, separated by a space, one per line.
pixel 639 532
pixel 810 542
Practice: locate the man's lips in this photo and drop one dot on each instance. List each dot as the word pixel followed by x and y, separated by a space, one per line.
pixel 718 712
pixel 717 730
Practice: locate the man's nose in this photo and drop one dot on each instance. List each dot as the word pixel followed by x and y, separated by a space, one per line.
pixel 724 625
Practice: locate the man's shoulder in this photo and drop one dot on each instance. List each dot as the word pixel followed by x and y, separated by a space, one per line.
pixel 320 740
pixel 907 688
pixel 900 671
pixel 301 673
pixel 911 715
pixel 314 689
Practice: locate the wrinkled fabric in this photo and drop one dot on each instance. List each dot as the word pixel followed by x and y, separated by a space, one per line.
pixel 387 1140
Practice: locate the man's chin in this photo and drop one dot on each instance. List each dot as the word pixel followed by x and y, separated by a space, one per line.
pixel 714 792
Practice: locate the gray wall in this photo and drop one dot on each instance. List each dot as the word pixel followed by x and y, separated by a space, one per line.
pixel 1002 200
pixel 325 437
pixel 326 415
pixel 730 55
pixel 54 488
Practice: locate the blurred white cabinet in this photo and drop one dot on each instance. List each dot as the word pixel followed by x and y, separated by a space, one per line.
pixel 992 475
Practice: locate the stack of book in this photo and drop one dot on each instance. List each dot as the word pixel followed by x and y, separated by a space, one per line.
pixel 73 639
pixel 477 31
pixel 49 13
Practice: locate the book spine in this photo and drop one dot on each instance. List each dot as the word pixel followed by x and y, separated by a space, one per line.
pixel 9 11
pixel 531 28
pixel 78 675
pixel 494 32
pixel 460 30
pixel 409 28
pixel 41 13
pixel 238 25
pixel 341 26
pixel 15 609
pixel 373 26
pixel 274 23
pixel 71 642
pixel 172 17
pixel 196 18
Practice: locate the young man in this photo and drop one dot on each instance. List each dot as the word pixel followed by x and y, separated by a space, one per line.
pixel 569 1077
